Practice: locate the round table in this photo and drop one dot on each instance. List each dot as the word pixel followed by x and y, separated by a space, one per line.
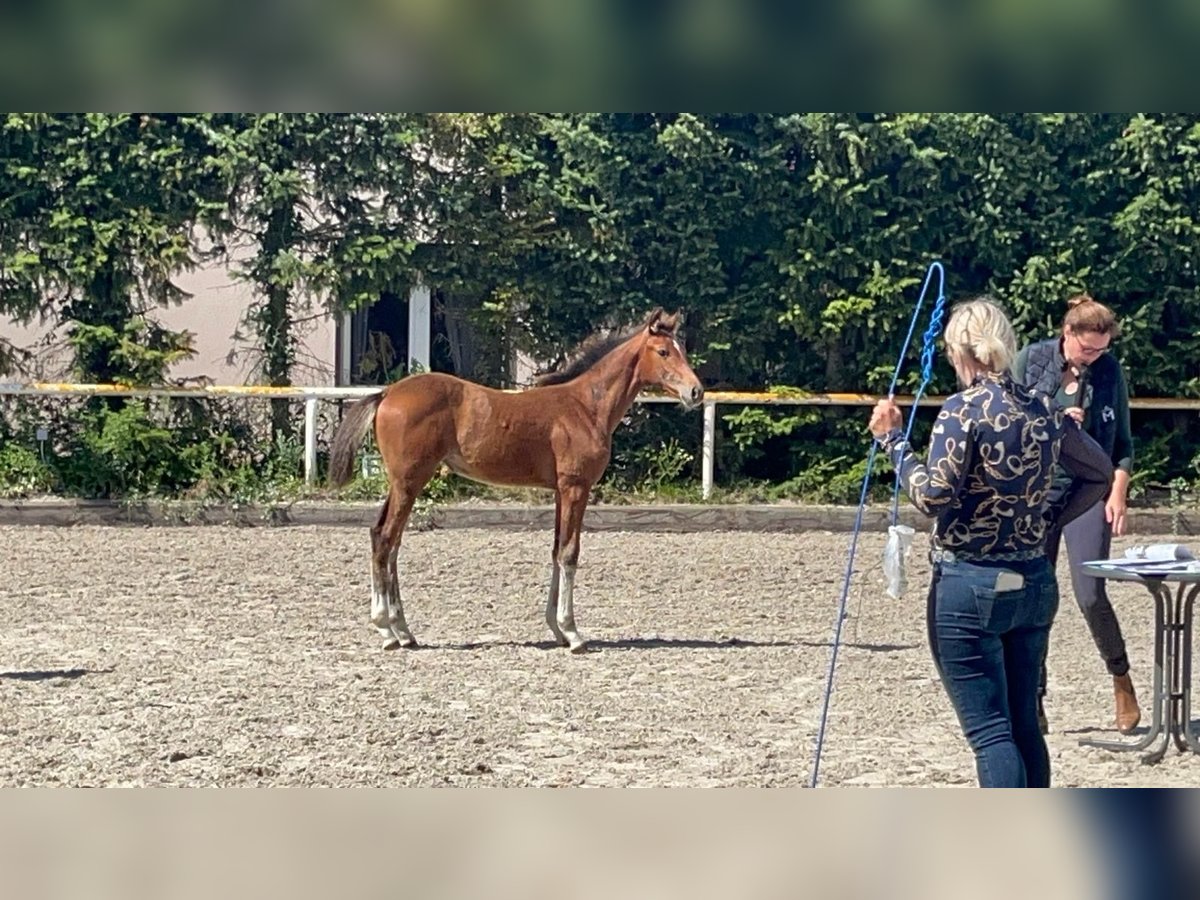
pixel 1171 694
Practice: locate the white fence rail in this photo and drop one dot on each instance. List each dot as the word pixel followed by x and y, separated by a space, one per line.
pixel 314 395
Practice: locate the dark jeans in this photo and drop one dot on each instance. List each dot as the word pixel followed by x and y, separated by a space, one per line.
pixel 989 647
pixel 1087 538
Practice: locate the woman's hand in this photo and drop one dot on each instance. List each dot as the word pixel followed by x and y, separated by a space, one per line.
pixel 1075 412
pixel 1116 505
pixel 884 418
pixel 1114 511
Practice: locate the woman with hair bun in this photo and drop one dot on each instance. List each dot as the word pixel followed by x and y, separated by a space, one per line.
pixel 993 595
pixel 1076 369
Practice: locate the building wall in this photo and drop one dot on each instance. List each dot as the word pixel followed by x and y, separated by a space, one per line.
pixel 212 315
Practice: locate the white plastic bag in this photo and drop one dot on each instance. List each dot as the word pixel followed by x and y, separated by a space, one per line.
pixel 895 559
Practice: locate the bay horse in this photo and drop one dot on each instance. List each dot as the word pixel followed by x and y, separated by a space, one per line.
pixel 556 434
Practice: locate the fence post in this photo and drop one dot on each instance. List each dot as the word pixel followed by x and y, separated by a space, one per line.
pixel 310 440
pixel 706 458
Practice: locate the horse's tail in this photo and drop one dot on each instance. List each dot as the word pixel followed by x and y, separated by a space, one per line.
pixel 349 435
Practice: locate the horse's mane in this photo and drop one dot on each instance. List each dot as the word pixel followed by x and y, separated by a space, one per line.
pixel 586 355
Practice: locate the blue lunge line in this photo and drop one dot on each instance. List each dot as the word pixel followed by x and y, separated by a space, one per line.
pixel 928 340
pixel 927 347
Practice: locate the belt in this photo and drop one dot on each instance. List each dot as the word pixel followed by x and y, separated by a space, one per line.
pixel 938 555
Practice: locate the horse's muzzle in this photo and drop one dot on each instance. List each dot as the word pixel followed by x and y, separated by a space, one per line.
pixel 692 397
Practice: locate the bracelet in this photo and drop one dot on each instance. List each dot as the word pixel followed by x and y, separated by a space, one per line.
pixel 892 441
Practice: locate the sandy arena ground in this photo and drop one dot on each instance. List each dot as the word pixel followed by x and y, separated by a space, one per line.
pixel 243 656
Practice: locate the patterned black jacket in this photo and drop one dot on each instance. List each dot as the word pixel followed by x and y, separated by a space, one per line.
pixel 991 462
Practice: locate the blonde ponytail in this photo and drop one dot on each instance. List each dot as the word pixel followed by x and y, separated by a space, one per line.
pixel 980 329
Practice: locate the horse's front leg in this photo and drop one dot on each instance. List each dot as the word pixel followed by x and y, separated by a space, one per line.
pixel 552 604
pixel 572 501
pixel 552 594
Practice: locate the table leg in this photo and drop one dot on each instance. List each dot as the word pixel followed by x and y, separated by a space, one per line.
pixel 1189 735
pixel 1176 694
pixel 1165 676
pixel 1159 700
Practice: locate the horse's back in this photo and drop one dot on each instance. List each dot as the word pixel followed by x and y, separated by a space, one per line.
pixel 431 393
pixel 490 435
pixel 423 391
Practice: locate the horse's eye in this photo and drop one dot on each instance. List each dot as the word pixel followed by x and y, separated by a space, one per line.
pixel 662 351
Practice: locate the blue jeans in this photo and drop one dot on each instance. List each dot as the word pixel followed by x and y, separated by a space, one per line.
pixel 988 646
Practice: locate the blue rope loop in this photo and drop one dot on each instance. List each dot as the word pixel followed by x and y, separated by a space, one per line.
pixel 928 344
pixel 929 338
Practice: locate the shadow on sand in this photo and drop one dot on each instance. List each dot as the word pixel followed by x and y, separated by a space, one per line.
pixel 663 643
pixel 51 674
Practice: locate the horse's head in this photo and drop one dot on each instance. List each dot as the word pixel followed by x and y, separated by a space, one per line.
pixel 662 362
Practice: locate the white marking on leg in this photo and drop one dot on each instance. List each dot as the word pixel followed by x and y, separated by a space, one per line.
pixel 379 603
pixel 552 607
pixel 566 608
pixel 395 608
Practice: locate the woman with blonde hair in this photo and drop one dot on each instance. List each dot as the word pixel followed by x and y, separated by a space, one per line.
pixel 1076 369
pixel 993 595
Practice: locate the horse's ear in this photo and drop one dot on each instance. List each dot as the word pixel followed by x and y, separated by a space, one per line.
pixel 663 323
pixel 655 322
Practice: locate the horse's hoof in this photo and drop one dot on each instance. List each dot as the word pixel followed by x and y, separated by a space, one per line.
pixel 579 647
pixel 396 643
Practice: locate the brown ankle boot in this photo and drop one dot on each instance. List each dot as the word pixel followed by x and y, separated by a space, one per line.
pixel 1128 714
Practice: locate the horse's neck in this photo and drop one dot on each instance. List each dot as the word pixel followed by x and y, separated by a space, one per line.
pixel 610 387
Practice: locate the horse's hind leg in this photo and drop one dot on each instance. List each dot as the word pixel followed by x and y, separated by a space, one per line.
pixel 399 625
pixel 379 574
pixel 387 611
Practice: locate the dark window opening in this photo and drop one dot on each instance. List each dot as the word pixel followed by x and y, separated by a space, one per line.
pixel 379 345
pixel 379 341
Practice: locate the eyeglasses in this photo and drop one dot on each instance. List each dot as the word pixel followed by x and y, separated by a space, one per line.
pixel 1087 348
